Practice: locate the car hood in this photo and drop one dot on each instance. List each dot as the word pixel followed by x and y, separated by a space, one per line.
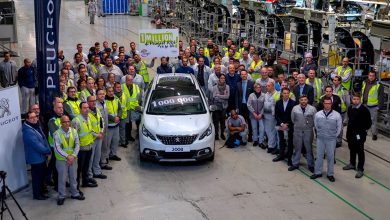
pixel 177 125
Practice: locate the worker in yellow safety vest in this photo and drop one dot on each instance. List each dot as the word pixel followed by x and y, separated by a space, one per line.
pixel 208 48
pixel 142 68
pixel 89 90
pixel 256 66
pixel 345 99
pixel 245 47
pixel 236 53
pixel 372 98
pixel 83 125
pixel 317 85
pixel 98 127
pixel 345 72
pixel 72 104
pixel 229 43
pixel 124 119
pixel 93 68
pixel 133 94
pixel 53 125
pixel 114 118
pixel 66 149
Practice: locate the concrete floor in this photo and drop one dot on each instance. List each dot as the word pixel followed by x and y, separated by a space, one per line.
pixel 241 183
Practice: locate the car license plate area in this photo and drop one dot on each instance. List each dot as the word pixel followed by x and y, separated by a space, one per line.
pixel 177 149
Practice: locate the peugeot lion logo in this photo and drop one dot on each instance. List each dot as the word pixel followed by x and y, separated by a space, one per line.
pixel 177 140
pixel 4 107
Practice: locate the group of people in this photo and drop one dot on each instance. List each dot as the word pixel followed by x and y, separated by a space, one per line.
pixel 252 100
pixel 93 113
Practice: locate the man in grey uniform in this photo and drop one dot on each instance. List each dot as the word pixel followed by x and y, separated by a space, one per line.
pixel 328 124
pixel 302 116
pixel 8 71
pixel 102 106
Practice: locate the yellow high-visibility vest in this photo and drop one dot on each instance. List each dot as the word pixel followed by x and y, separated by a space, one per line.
pixel 318 88
pixel 346 85
pixel 85 132
pixel 67 146
pixel 372 99
pixel 254 65
pixel 132 100
pixel 57 122
pixel 112 107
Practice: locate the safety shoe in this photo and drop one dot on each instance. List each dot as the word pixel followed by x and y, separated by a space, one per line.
pixel 349 167
pixel 255 143
pixel 60 201
pixel 262 146
pixel 292 168
pixel 331 178
pixel 79 197
pixel 223 137
pixel 115 157
pixel 315 176
pixel 359 174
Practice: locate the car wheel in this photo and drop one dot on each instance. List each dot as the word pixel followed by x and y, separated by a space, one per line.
pixel 142 158
pixel 211 158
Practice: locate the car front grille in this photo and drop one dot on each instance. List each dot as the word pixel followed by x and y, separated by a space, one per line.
pixel 177 139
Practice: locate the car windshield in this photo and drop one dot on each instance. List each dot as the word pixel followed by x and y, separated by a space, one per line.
pixel 176 101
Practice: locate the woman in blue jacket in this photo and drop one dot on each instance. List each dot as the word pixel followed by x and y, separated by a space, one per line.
pixel 36 149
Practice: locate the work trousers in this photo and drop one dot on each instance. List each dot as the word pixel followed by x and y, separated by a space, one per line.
pixel 51 172
pixel 257 130
pixel 270 130
pixel 91 18
pixel 286 141
pixel 325 145
pixel 94 162
pixel 243 110
pixel 374 119
pixel 28 98
pixel 340 137
pixel 66 172
pixel 38 172
pixel 122 132
pixel 219 121
pixel 303 138
pixel 129 127
pixel 356 147
pixel 83 164
pixel 113 139
pixel 105 150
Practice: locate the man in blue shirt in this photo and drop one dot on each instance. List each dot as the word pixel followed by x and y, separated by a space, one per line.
pixel 244 89
pixel 185 68
pixel 26 81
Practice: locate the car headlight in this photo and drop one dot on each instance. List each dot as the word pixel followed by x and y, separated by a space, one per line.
pixel 147 133
pixel 207 132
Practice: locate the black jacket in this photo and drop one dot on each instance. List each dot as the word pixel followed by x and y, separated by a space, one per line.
pixel 284 116
pixel 359 121
pixel 239 92
pixel 336 103
pixel 307 90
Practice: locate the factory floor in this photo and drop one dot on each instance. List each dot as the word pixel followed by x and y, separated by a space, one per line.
pixel 242 183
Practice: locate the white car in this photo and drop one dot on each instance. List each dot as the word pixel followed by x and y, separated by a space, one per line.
pixel 176 122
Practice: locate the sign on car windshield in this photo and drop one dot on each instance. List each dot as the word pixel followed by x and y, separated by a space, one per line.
pixel 175 100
